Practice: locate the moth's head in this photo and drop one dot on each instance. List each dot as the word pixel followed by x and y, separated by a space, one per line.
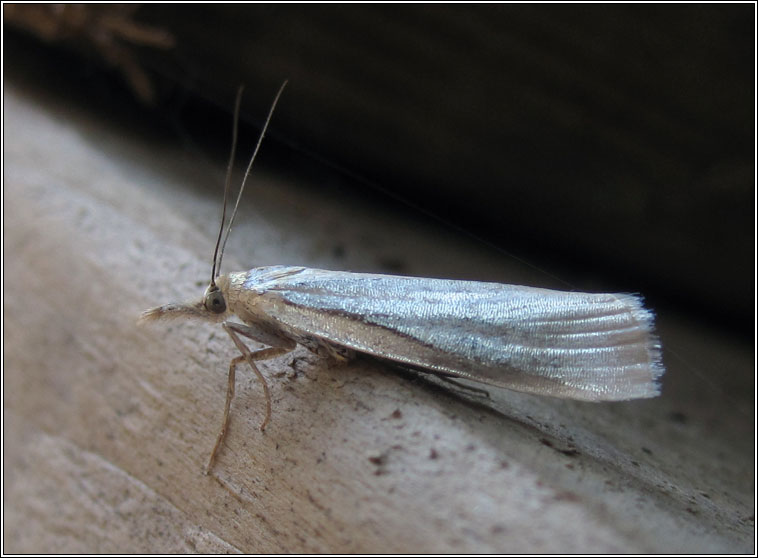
pixel 211 308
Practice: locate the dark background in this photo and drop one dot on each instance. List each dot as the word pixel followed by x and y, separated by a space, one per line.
pixel 601 141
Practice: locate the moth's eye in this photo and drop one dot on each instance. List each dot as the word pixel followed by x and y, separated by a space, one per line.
pixel 215 302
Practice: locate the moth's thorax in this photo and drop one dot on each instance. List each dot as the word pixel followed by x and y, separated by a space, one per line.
pixel 240 298
pixel 245 291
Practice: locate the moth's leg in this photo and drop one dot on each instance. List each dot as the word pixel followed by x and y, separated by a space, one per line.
pixel 283 345
pixel 261 336
pixel 337 354
pixel 229 395
pixel 443 377
pixel 464 387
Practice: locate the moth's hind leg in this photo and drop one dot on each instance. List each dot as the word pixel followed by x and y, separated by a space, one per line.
pixel 337 354
pixel 450 379
pixel 280 346
pixel 464 387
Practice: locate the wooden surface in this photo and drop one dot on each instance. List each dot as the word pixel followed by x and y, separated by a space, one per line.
pixel 107 426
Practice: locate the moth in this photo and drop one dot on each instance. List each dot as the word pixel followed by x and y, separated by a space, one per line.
pixel 585 346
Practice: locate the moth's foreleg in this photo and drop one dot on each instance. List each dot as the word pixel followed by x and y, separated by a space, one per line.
pixel 284 345
pixel 279 346
pixel 224 425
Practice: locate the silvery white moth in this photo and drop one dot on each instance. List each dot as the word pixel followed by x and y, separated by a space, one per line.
pixel 592 347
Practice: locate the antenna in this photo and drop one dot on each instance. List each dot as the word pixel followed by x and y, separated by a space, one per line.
pixel 228 180
pixel 217 262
